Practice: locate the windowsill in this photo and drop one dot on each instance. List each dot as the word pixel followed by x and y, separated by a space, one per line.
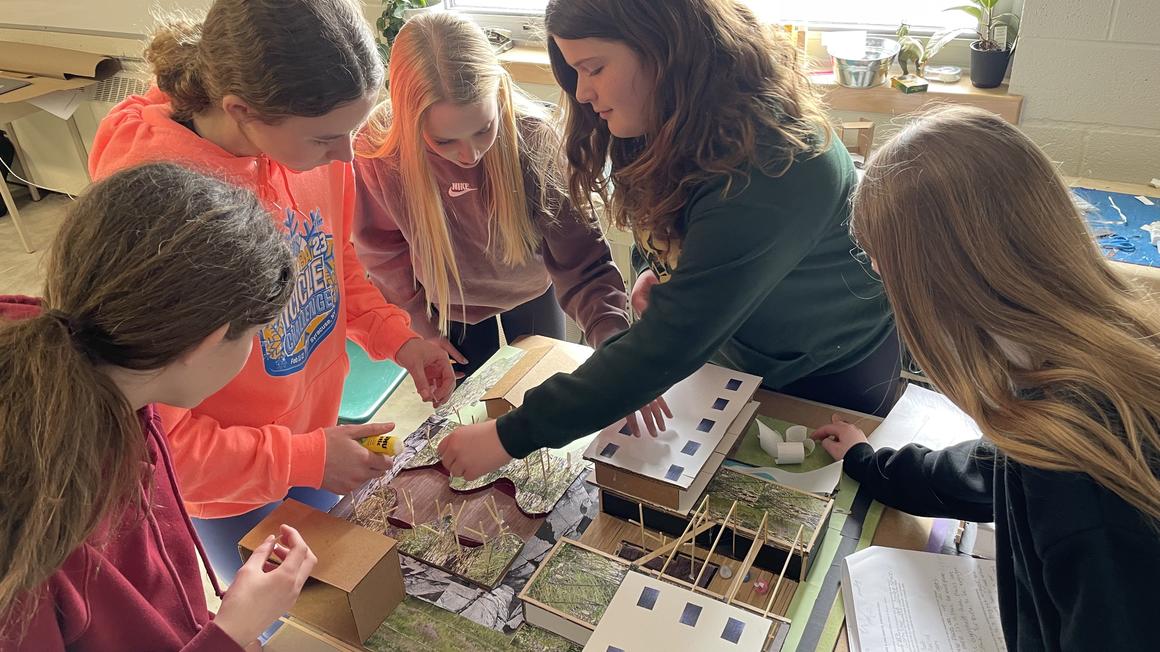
pixel 884 99
pixel 529 65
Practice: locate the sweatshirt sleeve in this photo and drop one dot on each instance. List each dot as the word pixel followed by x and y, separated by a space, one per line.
pixel 735 251
pixel 956 482
pixel 588 284
pixel 383 248
pixel 377 326
pixel 239 464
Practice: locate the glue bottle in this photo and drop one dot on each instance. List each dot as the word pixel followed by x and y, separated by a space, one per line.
pixel 383 444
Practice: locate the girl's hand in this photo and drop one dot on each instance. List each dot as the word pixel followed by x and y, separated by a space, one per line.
pixel 429 368
pixel 838 437
pixel 653 416
pixel 641 289
pixel 446 345
pixel 348 463
pixel 472 451
pixel 263 590
pixel 454 353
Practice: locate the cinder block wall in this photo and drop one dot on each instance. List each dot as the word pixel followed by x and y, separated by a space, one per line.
pixel 1089 71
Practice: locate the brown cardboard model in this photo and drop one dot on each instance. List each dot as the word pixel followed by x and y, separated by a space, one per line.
pixel 545 357
pixel 357 582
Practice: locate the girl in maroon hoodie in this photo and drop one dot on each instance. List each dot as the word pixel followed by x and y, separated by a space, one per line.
pixel 156 285
pixel 460 213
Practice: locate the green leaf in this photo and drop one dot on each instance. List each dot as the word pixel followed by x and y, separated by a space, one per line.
pixel 987 4
pixel 399 9
pixel 968 9
pixel 939 40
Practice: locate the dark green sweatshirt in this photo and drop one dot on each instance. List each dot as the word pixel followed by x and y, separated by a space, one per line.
pixel 1078 567
pixel 765 284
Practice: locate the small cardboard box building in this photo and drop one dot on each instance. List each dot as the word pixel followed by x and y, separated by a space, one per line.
pixel 545 357
pixel 357 582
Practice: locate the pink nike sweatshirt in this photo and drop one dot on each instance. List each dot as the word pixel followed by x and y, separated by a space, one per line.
pixel 573 254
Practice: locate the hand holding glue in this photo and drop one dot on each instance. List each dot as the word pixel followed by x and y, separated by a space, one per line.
pixel 384 444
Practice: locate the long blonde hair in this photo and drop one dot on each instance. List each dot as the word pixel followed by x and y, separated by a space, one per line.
pixel 148 263
pixel 442 57
pixel 983 254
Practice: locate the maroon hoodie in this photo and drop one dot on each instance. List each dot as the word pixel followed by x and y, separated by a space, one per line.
pixel 135 584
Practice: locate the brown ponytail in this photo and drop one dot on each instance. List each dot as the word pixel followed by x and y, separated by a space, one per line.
pixel 282 57
pixel 148 264
pixel 173 54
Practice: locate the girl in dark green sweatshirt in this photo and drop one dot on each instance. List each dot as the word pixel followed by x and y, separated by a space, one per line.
pixel 725 170
pixel 1024 326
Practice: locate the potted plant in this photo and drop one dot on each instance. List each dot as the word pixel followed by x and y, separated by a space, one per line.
pixel 913 50
pixel 989 57
pixel 395 13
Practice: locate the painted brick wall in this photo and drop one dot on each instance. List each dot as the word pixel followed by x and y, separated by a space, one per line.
pixel 1089 71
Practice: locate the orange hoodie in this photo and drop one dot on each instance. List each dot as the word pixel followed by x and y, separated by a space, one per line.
pixel 246 445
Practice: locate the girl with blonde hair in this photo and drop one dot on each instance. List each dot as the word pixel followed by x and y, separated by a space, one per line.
pixel 1026 327
pixel 461 216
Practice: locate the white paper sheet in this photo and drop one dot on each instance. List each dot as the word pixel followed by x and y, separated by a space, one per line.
pixel 62 104
pixel 920 416
pixel 907 601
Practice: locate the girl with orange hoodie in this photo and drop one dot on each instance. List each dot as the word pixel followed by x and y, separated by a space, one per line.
pixel 267 96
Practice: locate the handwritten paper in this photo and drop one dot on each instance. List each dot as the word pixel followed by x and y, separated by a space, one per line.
pixel 910 601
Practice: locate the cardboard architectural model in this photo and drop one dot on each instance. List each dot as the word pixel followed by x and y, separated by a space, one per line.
pixel 711 409
pixel 357 582
pixel 543 358
pixel 648 614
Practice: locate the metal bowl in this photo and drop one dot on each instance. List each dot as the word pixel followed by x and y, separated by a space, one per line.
pixel 866 68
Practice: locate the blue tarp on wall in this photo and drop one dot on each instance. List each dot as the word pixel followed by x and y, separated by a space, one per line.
pixel 1105 216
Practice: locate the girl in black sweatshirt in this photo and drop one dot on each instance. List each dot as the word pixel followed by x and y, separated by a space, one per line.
pixel 1008 306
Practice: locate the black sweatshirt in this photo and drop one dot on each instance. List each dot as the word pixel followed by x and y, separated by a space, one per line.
pixel 1078 567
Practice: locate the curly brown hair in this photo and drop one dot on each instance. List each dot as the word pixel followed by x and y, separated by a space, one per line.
pixel 730 97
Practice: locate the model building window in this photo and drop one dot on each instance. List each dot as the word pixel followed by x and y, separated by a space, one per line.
pixel 690 615
pixel 674 473
pixel 720 404
pixel 648 598
pixel 624 429
pixel 706 425
pixel 733 630
pixel 613 648
pixel 691 447
pixel 609 450
pixel 733 385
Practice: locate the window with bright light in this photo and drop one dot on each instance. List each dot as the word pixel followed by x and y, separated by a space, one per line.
pixel 882 13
